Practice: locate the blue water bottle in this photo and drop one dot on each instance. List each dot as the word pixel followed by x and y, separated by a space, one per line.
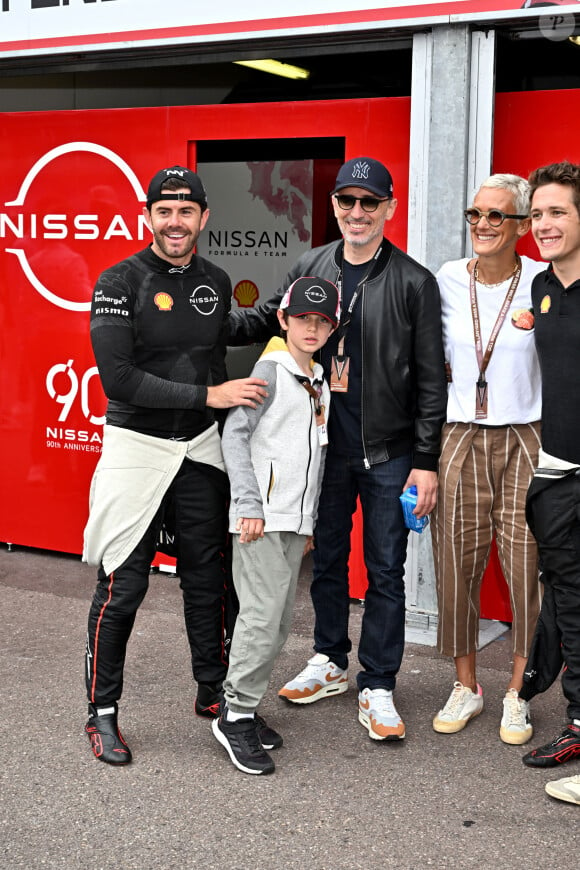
pixel 408 500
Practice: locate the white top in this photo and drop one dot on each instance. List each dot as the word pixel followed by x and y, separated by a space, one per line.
pixel 513 373
pixel 130 480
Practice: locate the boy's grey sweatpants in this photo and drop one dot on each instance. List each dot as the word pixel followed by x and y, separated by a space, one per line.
pixel 265 577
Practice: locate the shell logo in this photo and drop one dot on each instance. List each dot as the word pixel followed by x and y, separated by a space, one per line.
pixel 246 293
pixel 163 301
pixel 545 305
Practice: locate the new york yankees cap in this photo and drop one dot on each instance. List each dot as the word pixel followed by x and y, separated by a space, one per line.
pixel 189 178
pixel 312 296
pixel 367 173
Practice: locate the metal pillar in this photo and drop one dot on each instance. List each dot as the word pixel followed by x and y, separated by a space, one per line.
pixel 450 155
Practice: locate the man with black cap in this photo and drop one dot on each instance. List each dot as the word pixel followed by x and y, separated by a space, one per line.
pixel 158 332
pixel 386 370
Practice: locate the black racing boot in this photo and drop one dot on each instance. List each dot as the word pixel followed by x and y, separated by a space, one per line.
pixel 209 698
pixel 106 740
pixel 565 747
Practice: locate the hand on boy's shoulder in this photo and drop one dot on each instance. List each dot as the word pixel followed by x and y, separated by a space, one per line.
pixel 250 529
pixel 243 391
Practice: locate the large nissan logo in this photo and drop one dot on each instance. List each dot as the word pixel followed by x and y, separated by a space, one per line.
pixel 20 200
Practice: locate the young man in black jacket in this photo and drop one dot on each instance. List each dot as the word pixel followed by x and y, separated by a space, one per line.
pixel 386 370
pixel 553 504
pixel 158 333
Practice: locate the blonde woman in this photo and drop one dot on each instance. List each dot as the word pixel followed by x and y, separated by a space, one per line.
pixel 489 448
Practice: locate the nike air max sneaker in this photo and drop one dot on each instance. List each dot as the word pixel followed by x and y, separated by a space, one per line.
pixel 319 679
pixel 378 714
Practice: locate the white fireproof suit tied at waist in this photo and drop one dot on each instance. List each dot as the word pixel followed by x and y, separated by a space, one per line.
pixel 130 480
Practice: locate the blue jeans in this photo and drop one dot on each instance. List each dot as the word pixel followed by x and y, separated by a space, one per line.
pixel 385 546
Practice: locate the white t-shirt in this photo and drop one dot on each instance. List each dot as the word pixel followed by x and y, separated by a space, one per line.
pixel 513 373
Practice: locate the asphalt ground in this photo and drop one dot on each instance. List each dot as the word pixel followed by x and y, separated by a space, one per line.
pixel 337 801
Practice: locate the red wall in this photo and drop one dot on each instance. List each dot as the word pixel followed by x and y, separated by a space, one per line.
pixel 46 365
pixel 45 488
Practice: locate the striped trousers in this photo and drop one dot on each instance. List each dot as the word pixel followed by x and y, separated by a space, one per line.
pixel 484 474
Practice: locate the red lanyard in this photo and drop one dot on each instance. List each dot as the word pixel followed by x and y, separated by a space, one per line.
pixel 484 358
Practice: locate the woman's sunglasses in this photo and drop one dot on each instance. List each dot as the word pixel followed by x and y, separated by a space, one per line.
pixel 494 216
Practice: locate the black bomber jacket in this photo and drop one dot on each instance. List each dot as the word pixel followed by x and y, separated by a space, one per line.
pixel 404 389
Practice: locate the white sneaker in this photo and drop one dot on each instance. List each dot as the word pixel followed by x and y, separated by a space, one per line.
pixel 377 712
pixel 567 789
pixel 515 727
pixel 320 678
pixel 462 705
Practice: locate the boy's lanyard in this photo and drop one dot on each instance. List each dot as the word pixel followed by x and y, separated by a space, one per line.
pixel 481 392
pixel 340 362
pixel 316 394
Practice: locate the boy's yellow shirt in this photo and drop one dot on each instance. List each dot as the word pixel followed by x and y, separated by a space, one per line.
pixel 277 344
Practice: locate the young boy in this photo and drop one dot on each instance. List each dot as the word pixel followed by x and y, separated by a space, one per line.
pixel 274 456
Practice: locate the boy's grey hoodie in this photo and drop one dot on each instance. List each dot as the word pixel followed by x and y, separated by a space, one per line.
pixel 272 453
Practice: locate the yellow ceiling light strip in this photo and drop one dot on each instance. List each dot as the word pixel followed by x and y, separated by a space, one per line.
pixel 276 68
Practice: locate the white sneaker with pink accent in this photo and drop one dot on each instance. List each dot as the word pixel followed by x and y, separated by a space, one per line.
pixel 462 705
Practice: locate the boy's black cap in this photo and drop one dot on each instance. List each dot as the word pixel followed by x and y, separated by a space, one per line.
pixel 312 296
pixel 190 179
pixel 365 172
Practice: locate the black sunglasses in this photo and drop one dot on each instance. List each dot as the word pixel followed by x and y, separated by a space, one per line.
pixel 367 203
pixel 494 216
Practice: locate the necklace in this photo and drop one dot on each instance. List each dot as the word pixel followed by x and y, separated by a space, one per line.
pixel 498 283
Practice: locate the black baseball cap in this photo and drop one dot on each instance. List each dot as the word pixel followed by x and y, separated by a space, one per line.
pixel 312 296
pixel 189 178
pixel 365 172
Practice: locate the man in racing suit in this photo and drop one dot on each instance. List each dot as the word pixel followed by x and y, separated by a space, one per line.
pixel 158 333
pixel 386 370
